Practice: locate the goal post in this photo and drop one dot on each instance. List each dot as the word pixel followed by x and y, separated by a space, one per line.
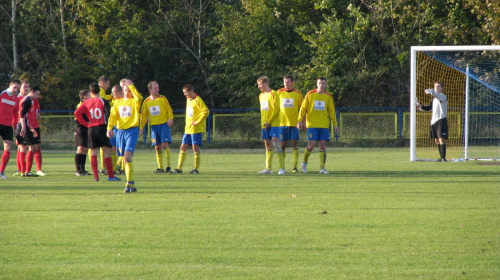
pixel 471 79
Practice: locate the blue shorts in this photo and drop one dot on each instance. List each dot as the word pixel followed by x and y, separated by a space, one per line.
pixel 289 133
pixel 126 139
pixel 112 140
pixel 160 133
pixel 318 134
pixel 268 134
pixel 192 139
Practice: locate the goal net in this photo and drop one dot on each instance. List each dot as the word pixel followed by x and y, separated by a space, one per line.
pixel 471 81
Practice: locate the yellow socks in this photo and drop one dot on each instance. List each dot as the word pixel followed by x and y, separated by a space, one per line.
pixel 269 159
pixel 197 159
pixel 295 156
pixel 129 172
pixel 114 159
pixel 159 159
pixel 322 159
pixel 306 155
pixel 103 165
pixel 167 156
pixel 182 158
pixel 281 159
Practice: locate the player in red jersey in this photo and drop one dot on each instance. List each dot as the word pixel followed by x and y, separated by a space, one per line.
pixel 9 103
pixel 29 130
pixel 25 90
pixel 97 110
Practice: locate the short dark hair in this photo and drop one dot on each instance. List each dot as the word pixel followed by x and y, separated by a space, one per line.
pixel 188 87
pixel 103 79
pixel 263 79
pixel 35 88
pixel 322 78
pixel 14 81
pixel 83 93
pixel 150 85
pixel 289 77
pixel 94 88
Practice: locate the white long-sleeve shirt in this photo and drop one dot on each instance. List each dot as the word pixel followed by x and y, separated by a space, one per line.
pixel 439 107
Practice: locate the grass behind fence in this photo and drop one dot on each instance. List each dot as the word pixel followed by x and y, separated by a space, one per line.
pixel 377 216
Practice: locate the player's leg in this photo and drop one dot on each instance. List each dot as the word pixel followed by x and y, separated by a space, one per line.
pixel 196 143
pixel 130 136
pixel 279 152
pixel 294 136
pixel 324 137
pixel 7 134
pixel 159 158
pixel 197 159
pixel 166 140
pixel 186 141
pixel 156 142
pixel 38 161
pixel 295 154
pixel 23 149
pixel 312 137
pixel 108 163
pixel 283 138
pixel 166 148
pixel 38 153
pixel 18 161
pixel 322 156
pixel 93 162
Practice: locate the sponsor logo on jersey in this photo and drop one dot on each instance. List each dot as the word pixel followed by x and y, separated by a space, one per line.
pixel 319 105
pixel 7 101
pixel 288 102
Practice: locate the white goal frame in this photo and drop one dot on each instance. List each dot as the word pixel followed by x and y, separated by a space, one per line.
pixel 413 85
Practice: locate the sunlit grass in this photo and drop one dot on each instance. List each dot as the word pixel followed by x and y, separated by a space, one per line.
pixel 376 216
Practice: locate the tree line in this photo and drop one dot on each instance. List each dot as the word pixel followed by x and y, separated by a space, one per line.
pixel 222 46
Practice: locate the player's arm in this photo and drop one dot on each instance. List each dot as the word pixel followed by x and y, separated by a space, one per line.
pixel 15 114
pixel 143 117
pixel 302 112
pixel 333 115
pixel 170 113
pixel 137 95
pixel 203 111
pixel 24 116
pixel 113 117
pixel 103 95
pixel 426 107
pixel 276 111
pixel 79 112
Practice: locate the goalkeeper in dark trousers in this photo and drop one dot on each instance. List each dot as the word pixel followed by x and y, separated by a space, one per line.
pixel 439 123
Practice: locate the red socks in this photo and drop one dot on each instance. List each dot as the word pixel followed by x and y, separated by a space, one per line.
pixel 4 161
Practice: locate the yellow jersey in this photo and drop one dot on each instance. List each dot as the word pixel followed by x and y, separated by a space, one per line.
pixel 318 109
pixel 157 110
pixel 196 110
pixel 125 112
pixel 269 108
pixel 290 102
pixel 102 94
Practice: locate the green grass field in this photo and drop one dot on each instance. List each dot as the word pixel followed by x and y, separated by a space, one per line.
pixel 376 216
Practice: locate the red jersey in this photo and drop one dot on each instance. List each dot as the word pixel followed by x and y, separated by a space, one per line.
pixel 96 109
pixel 8 109
pixel 28 109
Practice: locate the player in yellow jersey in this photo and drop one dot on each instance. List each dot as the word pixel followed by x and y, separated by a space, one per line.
pixel 125 116
pixel 104 84
pixel 319 110
pixel 196 115
pixel 270 122
pixel 290 102
pixel 157 111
